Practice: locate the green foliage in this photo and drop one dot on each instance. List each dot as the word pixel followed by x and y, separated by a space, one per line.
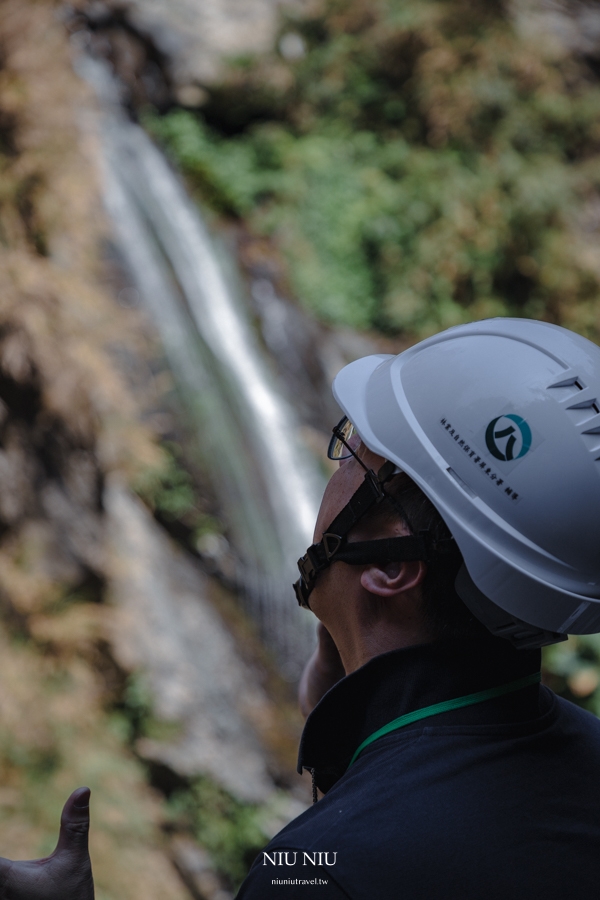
pixel 38 763
pixel 229 829
pixel 572 669
pixel 133 716
pixel 168 489
pixel 420 166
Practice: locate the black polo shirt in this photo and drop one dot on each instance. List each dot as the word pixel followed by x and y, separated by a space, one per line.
pixel 495 801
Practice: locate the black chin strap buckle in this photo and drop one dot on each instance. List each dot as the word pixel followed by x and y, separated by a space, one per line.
pixel 307 568
pixel 317 557
pixel 306 582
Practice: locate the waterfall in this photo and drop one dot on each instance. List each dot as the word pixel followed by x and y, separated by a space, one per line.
pixel 266 480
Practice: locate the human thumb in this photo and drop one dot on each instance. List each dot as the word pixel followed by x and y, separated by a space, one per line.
pixel 75 823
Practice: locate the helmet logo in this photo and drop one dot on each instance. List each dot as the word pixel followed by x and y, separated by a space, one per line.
pixel 508 437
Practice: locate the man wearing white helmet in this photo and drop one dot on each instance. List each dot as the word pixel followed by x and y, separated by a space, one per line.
pixel 460 534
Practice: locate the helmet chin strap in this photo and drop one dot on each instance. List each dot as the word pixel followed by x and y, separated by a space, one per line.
pixel 334 545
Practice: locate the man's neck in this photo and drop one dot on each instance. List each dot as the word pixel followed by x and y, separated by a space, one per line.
pixel 360 644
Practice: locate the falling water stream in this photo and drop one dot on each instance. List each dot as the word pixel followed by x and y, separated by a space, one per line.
pixel 267 482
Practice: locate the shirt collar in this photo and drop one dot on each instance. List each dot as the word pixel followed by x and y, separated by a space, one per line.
pixel 399 682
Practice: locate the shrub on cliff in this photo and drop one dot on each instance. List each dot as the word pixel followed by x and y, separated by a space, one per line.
pixel 419 166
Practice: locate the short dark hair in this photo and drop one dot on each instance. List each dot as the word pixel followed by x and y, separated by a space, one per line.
pixel 445 615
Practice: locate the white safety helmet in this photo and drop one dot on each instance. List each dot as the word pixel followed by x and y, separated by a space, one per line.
pixel 498 423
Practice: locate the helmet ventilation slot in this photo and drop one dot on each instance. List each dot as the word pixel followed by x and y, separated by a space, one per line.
pixel 591 438
pixel 583 411
pixel 567 387
pixel 587 404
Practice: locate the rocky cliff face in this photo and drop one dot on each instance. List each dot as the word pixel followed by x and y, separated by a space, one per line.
pixel 82 602
pixel 572 25
pixel 195 37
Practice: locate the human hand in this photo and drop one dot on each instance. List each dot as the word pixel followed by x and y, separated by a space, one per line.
pixel 321 672
pixel 64 875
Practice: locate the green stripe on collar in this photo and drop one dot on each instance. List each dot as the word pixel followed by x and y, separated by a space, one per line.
pixel 446 706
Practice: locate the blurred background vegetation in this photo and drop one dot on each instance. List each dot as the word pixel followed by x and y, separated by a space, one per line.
pixel 417 163
pixel 411 165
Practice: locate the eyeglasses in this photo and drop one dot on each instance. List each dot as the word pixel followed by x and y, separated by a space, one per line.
pixel 339 446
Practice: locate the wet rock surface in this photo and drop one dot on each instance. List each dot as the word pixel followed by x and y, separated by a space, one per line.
pixel 194 37
pixel 166 628
pixel 573 26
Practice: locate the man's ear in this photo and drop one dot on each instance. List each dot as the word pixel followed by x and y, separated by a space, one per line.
pixel 390 579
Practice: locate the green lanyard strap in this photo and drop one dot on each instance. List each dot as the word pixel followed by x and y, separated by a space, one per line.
pixel 446 706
